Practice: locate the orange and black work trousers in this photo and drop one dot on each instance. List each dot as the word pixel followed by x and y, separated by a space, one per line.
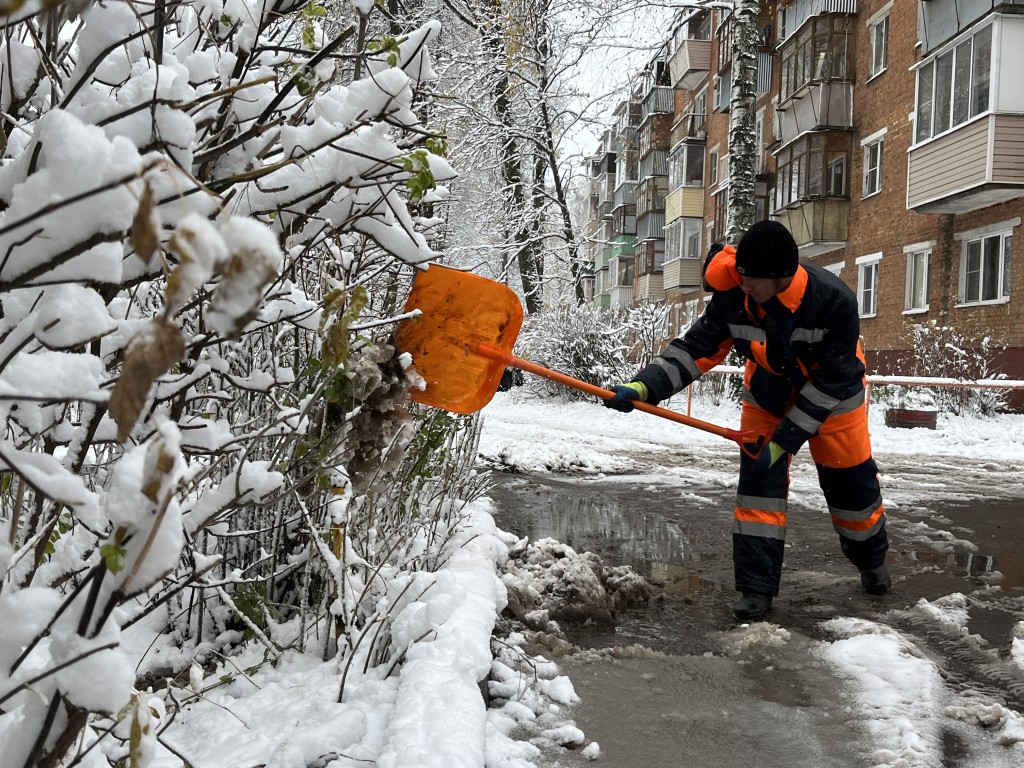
pixel 848 477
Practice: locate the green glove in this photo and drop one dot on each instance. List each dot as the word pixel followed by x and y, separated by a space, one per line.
pixel 625 394
pixel 770 454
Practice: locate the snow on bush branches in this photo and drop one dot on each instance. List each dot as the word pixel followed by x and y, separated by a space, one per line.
pixel 192 197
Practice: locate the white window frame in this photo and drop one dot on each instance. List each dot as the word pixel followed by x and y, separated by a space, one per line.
pixel 919 258
pixel 867 284
pixel 874 158
pixel 759 141
pixel 1001 235
pixel 692 311
pixel 831 166
pixel 700 104
pixel 712 164
pixel 691 228
pixel 878 42
pixel 980 90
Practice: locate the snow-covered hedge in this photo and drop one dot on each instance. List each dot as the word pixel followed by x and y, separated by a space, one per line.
pixel 209 214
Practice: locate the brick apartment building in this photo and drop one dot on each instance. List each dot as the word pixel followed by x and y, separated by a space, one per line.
pixel 892 146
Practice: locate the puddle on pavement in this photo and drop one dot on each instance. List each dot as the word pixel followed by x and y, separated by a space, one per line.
pixel 676 545
pixel 644 528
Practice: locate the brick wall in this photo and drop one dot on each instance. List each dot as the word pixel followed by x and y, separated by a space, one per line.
pixel 881 223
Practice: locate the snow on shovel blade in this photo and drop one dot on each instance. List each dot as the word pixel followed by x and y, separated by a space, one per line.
pixel 457 309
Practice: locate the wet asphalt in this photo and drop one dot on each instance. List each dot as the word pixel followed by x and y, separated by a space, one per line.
pixel 701 696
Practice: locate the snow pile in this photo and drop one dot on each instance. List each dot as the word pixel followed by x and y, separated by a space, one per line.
pixel 762 634
pixel 1017 645
pixel 1005 725
pixel 528 696
pixel 898 693
pixel 548 581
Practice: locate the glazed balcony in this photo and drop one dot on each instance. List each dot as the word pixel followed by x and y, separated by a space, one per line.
pixel 690 63
pixel 819 225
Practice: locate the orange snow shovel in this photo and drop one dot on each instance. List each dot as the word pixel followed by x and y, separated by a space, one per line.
pixel 462 340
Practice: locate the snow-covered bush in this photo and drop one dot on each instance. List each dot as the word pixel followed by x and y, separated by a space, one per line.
pixel 209 215
pixel 648 330
pixel 944 351
pixel 598 346
pixel 720 387
pixel 584 342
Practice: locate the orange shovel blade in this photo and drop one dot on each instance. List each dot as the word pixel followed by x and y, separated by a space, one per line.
pixel 458 308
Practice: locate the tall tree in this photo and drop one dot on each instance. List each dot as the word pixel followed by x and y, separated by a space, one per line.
pixel 742 141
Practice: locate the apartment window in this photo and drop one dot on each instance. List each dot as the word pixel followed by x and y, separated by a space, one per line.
pixel 759 141
pixel 721 213
pixel 696 27
pixel 918 260
pixel 821 50
pixel 723 91
pixel 724 35
pixel 878 34
pixel 812 166
pixel 686 166
pixel 692 311
pixel 712 167
pixel 691 238
pixel 693 170
pixel 873 146
pixel 867 284
pixel 673 241
pixel 700 107
pixel 835 175
pixel 985 266
pixel 676 159
pixel 624 272
pixel 650 256
pixel 762 199
pixel 953 86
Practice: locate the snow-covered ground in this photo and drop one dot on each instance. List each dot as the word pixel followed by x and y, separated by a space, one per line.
pixel 429 712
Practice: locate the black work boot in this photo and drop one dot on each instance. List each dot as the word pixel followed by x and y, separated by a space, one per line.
pixel 752 606
pixel 876 581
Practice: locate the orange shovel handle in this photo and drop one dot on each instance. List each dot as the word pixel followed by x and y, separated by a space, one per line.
pixel 743 438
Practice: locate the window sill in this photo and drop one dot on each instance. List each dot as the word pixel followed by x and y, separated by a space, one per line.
pixel 990 303
pixel 877 74
pixel 868 317
pixel 871 194
pixel 916 310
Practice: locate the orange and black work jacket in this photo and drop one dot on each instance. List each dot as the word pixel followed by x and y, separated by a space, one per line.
pixel 804 360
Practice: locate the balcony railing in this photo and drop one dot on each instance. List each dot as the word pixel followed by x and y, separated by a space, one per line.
pixel 659 99
pixel 690 63
pixel 974 166
pixel 818 225
pixel 625 193
pixel 822 105
pixel 690 127
pixel 682 274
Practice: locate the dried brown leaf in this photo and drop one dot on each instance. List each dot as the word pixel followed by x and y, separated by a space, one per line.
pixel 148 356
pixel 145 234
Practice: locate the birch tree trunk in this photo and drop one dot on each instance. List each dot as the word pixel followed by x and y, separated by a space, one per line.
pixel 742 141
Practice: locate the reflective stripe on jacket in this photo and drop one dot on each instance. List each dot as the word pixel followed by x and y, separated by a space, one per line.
pixel 804 360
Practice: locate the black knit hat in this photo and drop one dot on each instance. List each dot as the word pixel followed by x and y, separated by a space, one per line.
pixel 767 250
